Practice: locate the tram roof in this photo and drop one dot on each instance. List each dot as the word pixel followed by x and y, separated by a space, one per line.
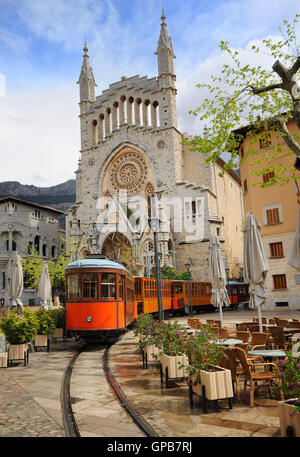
pixel 96 263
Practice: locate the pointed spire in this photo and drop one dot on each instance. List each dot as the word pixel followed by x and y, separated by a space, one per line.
pixel 86 78
pixel 165 49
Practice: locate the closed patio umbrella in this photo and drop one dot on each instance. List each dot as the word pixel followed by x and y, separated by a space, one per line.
pixel 16 283
pixel 294 256
pixel 255 265
pixel 44 289
pixel 219 295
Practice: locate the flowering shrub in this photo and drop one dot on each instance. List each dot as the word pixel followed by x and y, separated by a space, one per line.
pixel 203 352
pixel 289 377
pixel 170 338
pixel 145 330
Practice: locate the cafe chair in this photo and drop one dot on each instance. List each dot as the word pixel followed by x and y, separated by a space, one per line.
pixel 243 326
pixel 253 377
pixel 283 323
pixel 279 338
pixel 259 340
pixel 230 362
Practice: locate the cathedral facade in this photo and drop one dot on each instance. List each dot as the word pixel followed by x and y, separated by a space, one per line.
pixel 135 176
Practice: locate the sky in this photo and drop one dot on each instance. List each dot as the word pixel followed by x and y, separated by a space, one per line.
pixel 41 48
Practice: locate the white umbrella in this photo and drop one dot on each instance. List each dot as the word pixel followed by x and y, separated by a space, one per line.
pixel 294 256
pixel 16 283
pixel 44 289
pixel 255 265
pixel 219 295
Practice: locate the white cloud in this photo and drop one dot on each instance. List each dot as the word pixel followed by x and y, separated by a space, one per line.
pixel 40 136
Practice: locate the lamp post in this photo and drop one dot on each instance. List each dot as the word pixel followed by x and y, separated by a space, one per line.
pixel 187 266
pixel 157 259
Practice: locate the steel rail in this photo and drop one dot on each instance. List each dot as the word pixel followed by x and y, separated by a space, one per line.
pixel 69 421
pixel 124 401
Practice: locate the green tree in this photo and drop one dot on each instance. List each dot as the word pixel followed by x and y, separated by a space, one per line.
pixel 32 264
pixel 262 100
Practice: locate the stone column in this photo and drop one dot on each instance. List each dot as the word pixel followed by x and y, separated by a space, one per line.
pixel 101 127
pixel 122 110
pixel 130 111
pixel 145 113
pixel 115 120
pixel 108 122
pixel 137 113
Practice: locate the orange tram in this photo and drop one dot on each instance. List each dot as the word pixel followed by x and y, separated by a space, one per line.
pixel 103 299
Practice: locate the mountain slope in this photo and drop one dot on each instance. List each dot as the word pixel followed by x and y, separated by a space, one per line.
pixel 60 196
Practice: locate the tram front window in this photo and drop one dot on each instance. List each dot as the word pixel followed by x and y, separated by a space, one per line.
pixel 73 287
pixel 90 285
pixel 108 285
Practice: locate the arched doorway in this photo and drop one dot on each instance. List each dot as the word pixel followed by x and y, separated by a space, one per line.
pixel 116 246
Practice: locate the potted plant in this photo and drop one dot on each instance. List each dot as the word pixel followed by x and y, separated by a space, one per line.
pixel 170 338
pixel 46 327
pixel 289 384
pixel 19 330
pixel 145 330
pixel 59 317
pixel 206 377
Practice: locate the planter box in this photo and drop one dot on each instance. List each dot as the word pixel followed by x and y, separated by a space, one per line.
pixel 3 360
pixel 58 333
pixel 218 384
pixel 286 422
pixel 151 349
pixel 17 352
pixel 41 340
pixel 173 364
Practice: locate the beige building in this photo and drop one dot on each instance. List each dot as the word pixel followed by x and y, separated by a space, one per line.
pixel 25 225
pixel 276 208
pixel 131 147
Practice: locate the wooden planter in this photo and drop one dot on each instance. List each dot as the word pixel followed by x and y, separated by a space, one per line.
pixel 214 385
pixel 3 360
pixel 17 352
pixel 148 352
pixel 289 424
pixel 58 333
pixel 41 341
pixel 170 366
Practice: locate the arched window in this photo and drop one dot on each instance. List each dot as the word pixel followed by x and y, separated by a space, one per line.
pixel 155 115
pixel 115 120
pixel 123 109
pixel 108 122
pixel 146 112
pixel 101 126
pixel 149 193
pixel 130 110
pixel 94 132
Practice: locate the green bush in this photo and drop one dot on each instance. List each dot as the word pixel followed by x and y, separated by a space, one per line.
pixel 19 329
pixel 46 324
pixel 59 317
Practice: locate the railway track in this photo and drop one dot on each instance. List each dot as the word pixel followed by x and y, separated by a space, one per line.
pixel 69 421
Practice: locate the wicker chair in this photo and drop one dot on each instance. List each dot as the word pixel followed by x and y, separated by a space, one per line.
pixel 243 335
pixel 253 377
pixel 243 326
pixel 230 362
pixel 283 323
pixel 259 340
pixel 272 321
pixel 279 338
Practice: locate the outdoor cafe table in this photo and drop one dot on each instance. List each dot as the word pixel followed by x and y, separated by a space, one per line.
pixel 228 342
pixel 288 329
pixel 268 354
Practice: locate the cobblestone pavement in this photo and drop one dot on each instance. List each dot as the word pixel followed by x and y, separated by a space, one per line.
pixel 30 395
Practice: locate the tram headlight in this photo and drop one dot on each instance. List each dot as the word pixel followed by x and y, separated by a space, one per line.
pixel 89 319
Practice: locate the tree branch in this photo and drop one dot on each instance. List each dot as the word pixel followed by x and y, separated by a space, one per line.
pixel 257 90
pixel 295 67
pixel 280 124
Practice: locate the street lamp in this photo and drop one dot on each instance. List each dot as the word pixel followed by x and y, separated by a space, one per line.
pixel 157 258
pixel 187 266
